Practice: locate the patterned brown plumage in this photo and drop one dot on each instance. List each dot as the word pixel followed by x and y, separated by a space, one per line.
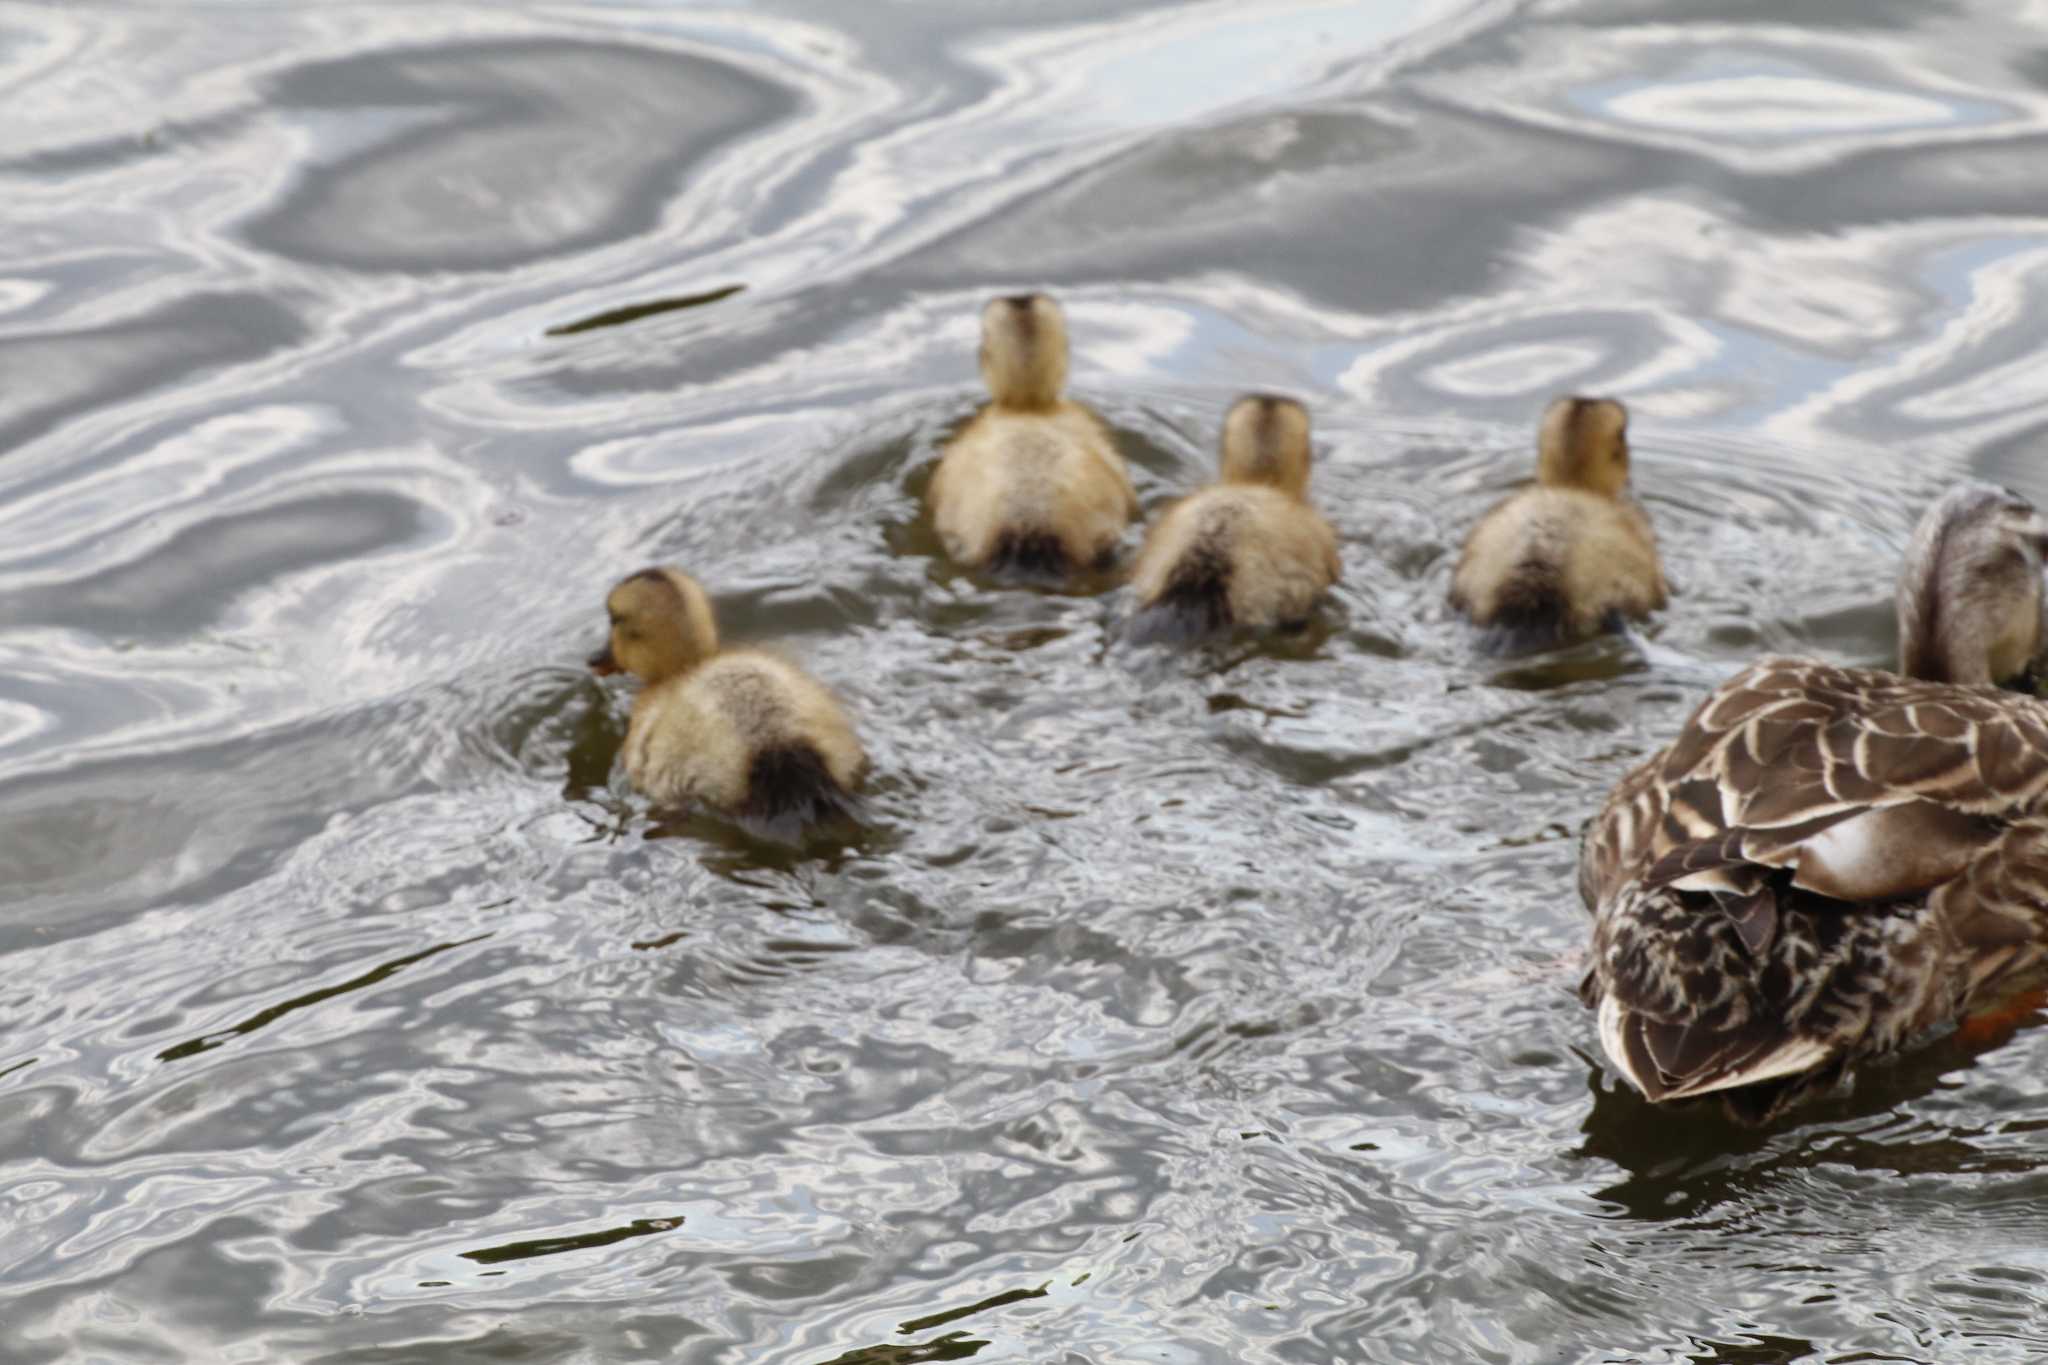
pixel 1828 862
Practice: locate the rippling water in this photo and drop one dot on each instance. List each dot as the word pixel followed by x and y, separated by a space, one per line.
pixel 1177 1009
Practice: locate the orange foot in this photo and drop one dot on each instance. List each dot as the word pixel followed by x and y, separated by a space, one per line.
pixel 1997 1024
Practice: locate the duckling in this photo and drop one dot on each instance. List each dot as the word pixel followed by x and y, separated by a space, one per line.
pixel 1032 485
pixel 739 730
pixel 1570 556
pixel 1247 551
pixel 1970 599
pixel 1828 863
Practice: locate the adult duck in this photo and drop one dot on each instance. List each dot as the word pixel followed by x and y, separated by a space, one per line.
pixel 1828 863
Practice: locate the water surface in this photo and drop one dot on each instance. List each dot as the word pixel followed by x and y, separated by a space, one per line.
pixel 1195 1009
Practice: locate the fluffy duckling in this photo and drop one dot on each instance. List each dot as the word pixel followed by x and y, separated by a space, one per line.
pixel 1827 863
pixel 739 730
pixel 1032 485
pixel 1970 599
pixel 1247 551
pixel 1570 556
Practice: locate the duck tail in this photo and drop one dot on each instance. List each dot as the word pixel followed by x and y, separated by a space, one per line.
pixel 1029 554
pixel 1195 602
pixel 1675 1038
pixel 1755 1075
pixel 789 789
pixel 1531 614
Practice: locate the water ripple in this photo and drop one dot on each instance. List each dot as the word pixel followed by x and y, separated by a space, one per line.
pixel 1214 1007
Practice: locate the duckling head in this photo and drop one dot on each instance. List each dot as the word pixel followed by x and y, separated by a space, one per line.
pixel 1970 598
pixel 1583 443
pixel 1024 350
pixel 661 625
pixel 1265 440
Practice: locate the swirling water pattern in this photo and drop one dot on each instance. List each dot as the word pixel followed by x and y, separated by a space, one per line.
pixel 1214 1009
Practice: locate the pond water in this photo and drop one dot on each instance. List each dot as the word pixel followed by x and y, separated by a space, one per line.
pixel 1177 1008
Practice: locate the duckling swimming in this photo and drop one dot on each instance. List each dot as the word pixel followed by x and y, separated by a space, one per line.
pixel 1247 551
pixel 738 730
pixel 1571 556
pixel 1827 863
pixel 1032 485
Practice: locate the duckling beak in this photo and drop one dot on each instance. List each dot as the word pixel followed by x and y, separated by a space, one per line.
pixel 602 663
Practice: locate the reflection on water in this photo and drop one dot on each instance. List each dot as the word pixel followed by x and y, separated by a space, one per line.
pixel 481 156
pixel 1211 1007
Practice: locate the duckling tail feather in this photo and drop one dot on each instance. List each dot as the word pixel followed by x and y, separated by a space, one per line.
pixel 1195 602
pixel 1530 614
pixel 789 788
pixel 1029 554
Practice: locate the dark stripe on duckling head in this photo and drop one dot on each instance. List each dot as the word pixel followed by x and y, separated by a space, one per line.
pixel 1265 436
pixel 1265 412
pixel 1266 440
pixel 1575 418
pixel 1024 315
pixel 661 577
pixel 1582 443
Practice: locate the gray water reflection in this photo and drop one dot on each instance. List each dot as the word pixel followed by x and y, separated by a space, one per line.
pixel 488 155
pixel 54 376
pixel 1206 1008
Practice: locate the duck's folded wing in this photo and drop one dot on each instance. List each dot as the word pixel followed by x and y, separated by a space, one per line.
pixel 1717 972
pixel 1783 878
pixel 1789 740
pixel 1871 787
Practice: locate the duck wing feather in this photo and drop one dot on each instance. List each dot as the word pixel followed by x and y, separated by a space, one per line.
pixel 1825 862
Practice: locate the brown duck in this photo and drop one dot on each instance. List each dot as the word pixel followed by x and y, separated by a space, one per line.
pixel 1828 863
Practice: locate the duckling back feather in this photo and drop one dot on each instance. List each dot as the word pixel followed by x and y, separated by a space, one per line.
pixel 1530 611
pixel 1550 565
pixel 1033 485
pixel 1231 555
pixel 789 786
pixel 1029 554
pixel 1036 493
pixel 1193 602
pixel 748 733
